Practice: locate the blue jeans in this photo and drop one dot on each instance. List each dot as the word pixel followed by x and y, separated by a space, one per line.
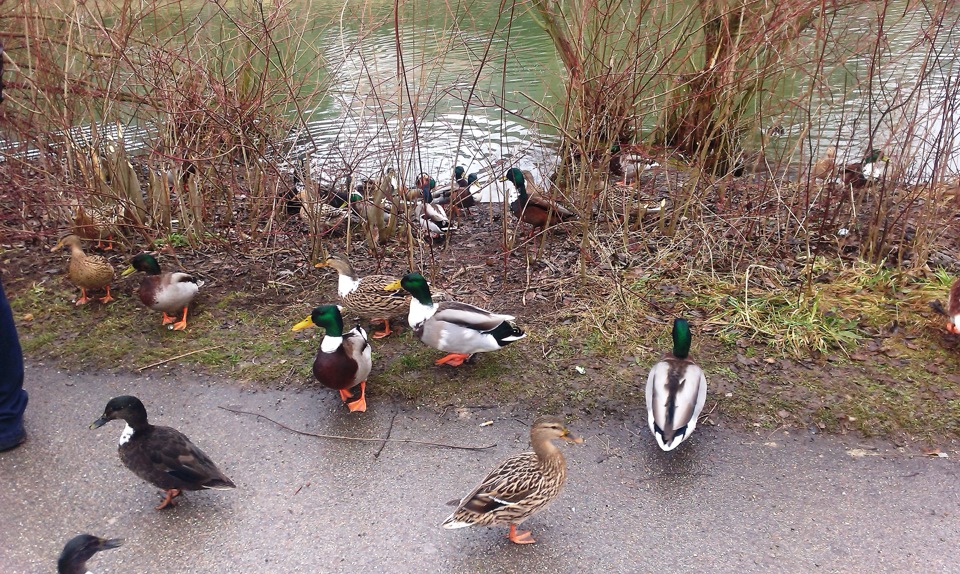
pixel 13 399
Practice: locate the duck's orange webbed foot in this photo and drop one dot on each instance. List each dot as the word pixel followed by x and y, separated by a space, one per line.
pixel 181 324
pixel 83 300
pixel 453 359
pixel 520 537
pixel 359 405
pixel 168 500
pixel 107 298
pixel 386 329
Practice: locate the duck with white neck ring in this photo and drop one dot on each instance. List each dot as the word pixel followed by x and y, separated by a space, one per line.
pixel 343 360
pixel 460 329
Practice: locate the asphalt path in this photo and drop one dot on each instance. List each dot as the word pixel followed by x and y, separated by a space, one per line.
pixel 725 501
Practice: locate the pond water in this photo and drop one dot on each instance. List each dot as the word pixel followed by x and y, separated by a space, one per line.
pixel 481 84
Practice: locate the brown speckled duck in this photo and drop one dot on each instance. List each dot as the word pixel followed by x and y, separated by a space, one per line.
pixel 343 359
pixel 520 486
pixel 86 271
pixel 167 292
pixel 160 455
pixel 366 297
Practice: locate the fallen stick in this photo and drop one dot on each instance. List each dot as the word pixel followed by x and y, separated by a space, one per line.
pixel 142 369
pixel 354 438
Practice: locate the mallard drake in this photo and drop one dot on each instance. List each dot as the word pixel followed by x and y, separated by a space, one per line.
pixel 432 219
pixel 531 206
pixel 80 548
pixel 443 195
pixel 676 392
pixel 871 170
pixel 953 308
pixel 343 359
pixel 160 455
pixel 97 224
pixel 367 296
pixel 457 328
pixel 86 271
pixel 168 292
pixel 520 486
pixel 462 197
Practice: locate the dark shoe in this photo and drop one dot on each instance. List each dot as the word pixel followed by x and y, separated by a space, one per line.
pixel 14 443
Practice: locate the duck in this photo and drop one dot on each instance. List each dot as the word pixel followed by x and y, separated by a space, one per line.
pixel 431 217
pixel 166 292
pixel 870 170
pixel 160 455
pixel 367 296
pixel 343 360
pixel 520 486
pixel 826 166
pixel 953 308
pixel 80 548
pixel 531 206
pixel 460 329
pixel 462 197
pixel 442 197
pixel 97 224
pixel 86 271
pixel 676 392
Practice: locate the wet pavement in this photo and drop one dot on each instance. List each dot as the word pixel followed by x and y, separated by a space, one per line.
pixel 725 501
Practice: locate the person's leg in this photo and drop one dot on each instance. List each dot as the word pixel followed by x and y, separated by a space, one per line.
pixel 13 399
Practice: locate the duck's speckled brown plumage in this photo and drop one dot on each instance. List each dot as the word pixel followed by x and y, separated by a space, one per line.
pixel 368 299
pixel 161 455
pixel 520 486
pixel 86 271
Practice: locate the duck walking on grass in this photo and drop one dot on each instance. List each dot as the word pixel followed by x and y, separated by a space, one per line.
pixel 343 360
pixel 367 296
pixel 86 271
pixel 520 486
pixel 160 455
pixel 676 392
pixel 80 548
pixel 460 329
pixel 167 292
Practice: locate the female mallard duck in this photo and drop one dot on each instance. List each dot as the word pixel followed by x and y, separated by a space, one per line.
pixel 160 455
pixel 826 166
pixel 520 486
pixel 82 547
pixel 86 271
pixel 953 308
pixel 871 170
pixel 97 224
pixel 457 328
pixel 531 206
pixel 676 392
pixel 343 359
pixel 168 292
pixel 367 297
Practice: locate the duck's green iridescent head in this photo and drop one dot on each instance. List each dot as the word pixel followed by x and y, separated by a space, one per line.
pixel 326 316
pixel 144 262
pixel 416 285
pixel 472 179
pixel 458 172
pixel 515 176
pixel 681 338
pixel 873 156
